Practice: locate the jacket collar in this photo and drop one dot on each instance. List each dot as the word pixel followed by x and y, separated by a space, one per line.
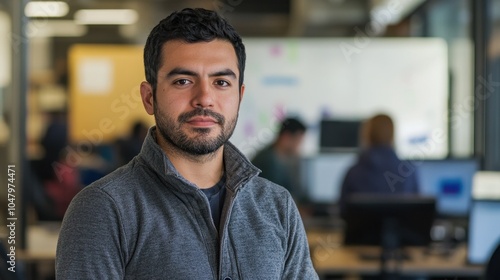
pixel 237 167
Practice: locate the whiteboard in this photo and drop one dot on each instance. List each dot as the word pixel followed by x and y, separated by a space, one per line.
pixel 343 78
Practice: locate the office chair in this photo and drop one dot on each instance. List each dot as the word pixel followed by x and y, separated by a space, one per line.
pixel 493 268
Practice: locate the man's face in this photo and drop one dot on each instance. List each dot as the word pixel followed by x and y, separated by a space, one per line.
pixel 197 95
pixel 294 143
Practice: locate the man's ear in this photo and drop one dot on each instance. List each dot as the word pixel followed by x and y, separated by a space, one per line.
pixel 147 97
pixel 242 92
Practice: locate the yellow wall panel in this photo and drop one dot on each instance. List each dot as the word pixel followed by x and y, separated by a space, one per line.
pixel 104 92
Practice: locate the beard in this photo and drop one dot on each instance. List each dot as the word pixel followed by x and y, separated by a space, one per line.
pixel 200 144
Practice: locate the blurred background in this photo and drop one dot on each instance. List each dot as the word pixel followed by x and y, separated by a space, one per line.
pixel 70 109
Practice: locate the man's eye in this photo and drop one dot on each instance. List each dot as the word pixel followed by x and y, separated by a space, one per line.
pixel 222 83
pixel 182 82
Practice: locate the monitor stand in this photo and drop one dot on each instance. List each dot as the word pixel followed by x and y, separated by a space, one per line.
pixel 392 254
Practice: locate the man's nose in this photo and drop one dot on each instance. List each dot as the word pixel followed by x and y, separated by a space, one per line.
pixel 203 95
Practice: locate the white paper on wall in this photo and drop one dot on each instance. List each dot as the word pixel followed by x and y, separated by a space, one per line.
pixel 95 76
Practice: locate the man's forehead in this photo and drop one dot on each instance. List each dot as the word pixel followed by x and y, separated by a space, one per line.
pixel 177 44
pixel 218 53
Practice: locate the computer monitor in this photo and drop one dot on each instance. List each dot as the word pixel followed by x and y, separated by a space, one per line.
pixel 323 174
pixel 450 181
pixel 389 220
pixel 484 231
pixel 339 135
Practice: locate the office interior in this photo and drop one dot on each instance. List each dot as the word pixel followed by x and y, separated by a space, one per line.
pixel 433 65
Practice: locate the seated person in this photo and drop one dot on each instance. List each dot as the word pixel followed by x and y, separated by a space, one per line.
pixel 272 160
pixel 492 270
pixel 378 169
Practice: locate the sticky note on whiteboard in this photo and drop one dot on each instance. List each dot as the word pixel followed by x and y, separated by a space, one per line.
pixel 95 76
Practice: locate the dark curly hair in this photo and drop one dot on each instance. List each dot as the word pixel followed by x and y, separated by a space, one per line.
pixel 191 26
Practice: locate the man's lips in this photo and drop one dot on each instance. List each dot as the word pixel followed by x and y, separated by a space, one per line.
pixel 202 121
pixel 200 117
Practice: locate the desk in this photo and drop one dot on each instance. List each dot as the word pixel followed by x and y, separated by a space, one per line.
pixel 40 252
pixel 331 258
pixel 41 243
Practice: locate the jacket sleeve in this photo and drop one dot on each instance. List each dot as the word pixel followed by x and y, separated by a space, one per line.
pixel 298 264
pixel 91 239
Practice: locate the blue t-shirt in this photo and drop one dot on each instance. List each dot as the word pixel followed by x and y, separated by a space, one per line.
pixel 216 195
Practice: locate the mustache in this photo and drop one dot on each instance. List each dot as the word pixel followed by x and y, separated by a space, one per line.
pixel 185 117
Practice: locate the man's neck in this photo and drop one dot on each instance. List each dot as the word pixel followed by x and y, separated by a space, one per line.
pixel 204 171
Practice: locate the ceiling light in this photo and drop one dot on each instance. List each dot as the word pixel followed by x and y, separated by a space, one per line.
pixel 56 28
pixel 46 9
pixel 392 12
pixel 106 16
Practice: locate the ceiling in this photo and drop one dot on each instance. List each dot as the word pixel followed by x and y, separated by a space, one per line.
pixel 251 18
pixel 262 18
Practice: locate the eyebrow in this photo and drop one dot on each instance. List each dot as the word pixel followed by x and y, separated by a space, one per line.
pixel 225 72
pixel 182 71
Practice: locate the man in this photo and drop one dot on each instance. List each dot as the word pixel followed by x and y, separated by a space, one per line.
pixel 190 205
pixel 378 167
pixel 274 159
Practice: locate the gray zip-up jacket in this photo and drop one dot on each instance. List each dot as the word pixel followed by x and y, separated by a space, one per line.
pixel 145 221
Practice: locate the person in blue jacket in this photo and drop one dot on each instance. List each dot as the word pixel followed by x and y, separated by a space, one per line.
pixel 378 169
pixel 190 205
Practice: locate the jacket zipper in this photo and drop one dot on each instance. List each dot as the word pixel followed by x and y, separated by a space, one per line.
pixel 207 202
pixel 226 223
